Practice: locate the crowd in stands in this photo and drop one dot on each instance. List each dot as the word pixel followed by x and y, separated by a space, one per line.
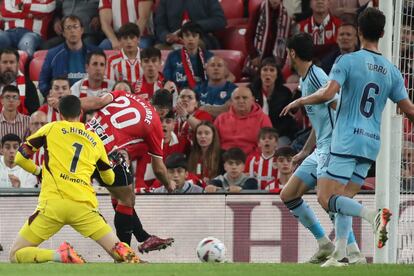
pixel 222 131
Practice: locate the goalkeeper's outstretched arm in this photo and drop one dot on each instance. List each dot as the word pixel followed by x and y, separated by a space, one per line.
pixel 23 159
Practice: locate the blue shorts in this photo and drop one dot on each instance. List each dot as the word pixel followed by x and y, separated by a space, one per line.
pixel 312 168
pixel 347 169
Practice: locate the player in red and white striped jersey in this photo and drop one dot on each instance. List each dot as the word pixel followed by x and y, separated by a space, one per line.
pixel 114 14
pixel 59 87
pixel 28 22
pixel 126 65
pixel 95 83
pixel 262 164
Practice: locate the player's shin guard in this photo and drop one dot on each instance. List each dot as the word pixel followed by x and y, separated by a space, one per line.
pixel 138 230
pixel 301 210
pixel 124 223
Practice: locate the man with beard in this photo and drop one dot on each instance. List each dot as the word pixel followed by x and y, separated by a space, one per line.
pixel 10 75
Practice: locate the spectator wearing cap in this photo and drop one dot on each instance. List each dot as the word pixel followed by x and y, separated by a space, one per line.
pixel 177 171
pixel 186 66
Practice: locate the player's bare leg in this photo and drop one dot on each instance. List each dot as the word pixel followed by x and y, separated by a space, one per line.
pixel 291 196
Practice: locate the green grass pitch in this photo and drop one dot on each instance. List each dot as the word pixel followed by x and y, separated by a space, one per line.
pixel 237 269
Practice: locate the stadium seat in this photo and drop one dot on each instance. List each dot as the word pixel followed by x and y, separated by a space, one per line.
pixel 232 8
pixel 36 65
pixel 40 53
pixel 233 38
pixel 234 59
pixel 22 60
pixel 253 4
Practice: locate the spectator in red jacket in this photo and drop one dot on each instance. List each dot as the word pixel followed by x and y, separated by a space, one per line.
pixel 240 126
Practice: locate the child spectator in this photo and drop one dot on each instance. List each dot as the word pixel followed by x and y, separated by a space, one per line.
pixel 11 175
pixel 262 164
pixel 285 168
pixel 177 170
pixel 172 143
pixel 186 66
pixel 205 155
pixel 234 180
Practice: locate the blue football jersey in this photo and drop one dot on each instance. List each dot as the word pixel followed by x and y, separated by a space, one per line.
pixel 321 115
pixel 367 80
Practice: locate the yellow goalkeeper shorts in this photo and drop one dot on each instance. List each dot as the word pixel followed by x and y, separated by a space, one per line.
pixel 51 215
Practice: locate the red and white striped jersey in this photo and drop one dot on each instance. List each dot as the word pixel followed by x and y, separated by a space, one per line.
pixel 123 11
pixel 81 88
pixel 324 35
pixel 121 68
pixel 33 15
pixel 261 168
pixel 52 114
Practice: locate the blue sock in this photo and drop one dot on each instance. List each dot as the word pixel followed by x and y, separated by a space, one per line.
pixel 351 237
pixel 343 225
pixel 345 206
pixel 306 216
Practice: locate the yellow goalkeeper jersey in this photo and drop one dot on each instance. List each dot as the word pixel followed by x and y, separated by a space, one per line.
pixel 71 154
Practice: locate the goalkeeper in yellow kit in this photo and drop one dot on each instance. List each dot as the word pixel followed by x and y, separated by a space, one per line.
pixel 67 197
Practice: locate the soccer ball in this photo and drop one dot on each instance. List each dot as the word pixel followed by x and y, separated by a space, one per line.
pixel 211 250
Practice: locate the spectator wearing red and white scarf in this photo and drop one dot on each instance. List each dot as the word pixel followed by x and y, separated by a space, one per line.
pixel 95 83
pixel 269 27
pixel 25 23
pixel 186 66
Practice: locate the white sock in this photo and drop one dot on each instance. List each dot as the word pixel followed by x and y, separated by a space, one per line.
pixel 368 215
pixel 340 249
pixel 322 241
pixel 352 248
